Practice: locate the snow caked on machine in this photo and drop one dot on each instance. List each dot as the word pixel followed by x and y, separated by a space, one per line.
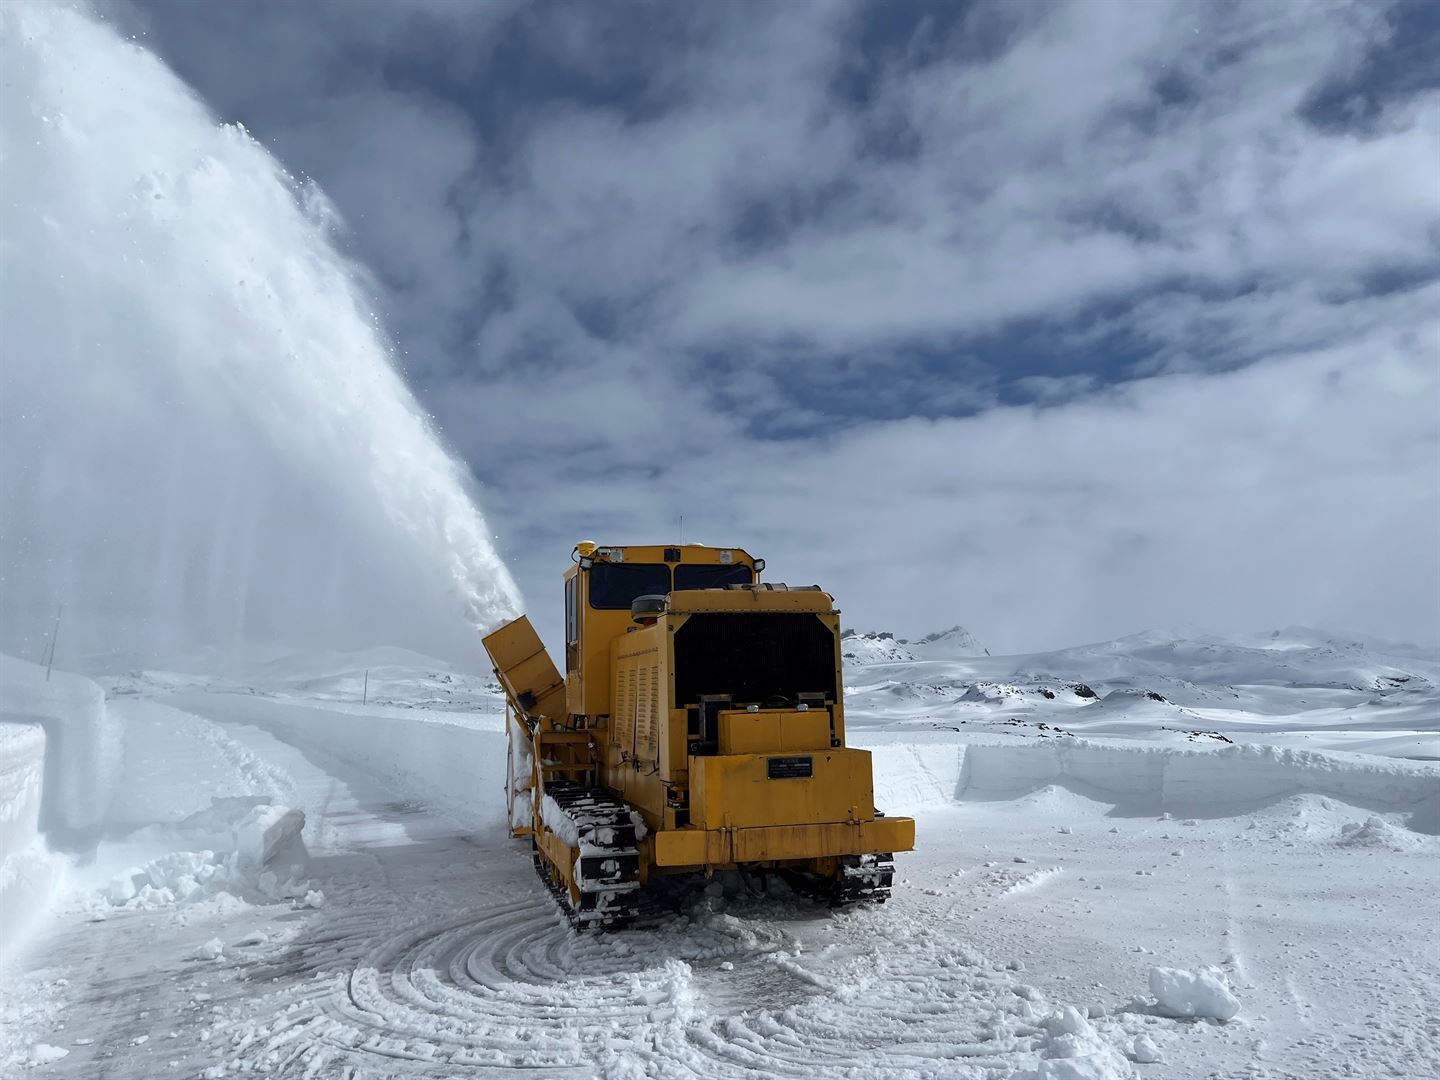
pixel 699 726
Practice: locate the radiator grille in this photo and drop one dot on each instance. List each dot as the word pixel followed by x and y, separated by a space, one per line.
pixel 754 657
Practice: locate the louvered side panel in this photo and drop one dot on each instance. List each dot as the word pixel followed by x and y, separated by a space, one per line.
pixel 623 720
pixel 648 712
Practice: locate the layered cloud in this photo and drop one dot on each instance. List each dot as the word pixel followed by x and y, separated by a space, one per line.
pixel 1058 319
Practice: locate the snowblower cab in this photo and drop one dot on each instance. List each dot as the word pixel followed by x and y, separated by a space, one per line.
pixel 699 726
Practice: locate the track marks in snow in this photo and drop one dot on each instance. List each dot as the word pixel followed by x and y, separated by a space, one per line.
pixel 706 994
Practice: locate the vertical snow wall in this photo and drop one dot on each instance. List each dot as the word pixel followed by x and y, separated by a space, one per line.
pixel 203 442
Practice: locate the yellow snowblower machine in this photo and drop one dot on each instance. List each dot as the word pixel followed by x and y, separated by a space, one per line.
pixel 699 726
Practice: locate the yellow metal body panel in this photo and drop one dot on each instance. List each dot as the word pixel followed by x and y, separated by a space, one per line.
pixel 638 710
pixel 525 670
pixel 587 666
pixel 761 599
pixel 773 731
pixel 736 791
pixel 689 848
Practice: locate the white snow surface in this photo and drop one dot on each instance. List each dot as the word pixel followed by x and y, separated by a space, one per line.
pixel 1132 900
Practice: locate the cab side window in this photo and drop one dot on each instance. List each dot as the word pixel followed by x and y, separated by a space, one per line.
pixel 572 624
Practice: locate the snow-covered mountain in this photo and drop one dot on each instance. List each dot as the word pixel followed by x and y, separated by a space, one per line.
pixel 873 647
pixel 957 641
pixel 881 646
pixel 1345 691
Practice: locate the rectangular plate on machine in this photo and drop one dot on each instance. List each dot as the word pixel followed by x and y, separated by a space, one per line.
pixel 789 768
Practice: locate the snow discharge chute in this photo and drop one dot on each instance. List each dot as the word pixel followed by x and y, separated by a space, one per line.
pixel 203 441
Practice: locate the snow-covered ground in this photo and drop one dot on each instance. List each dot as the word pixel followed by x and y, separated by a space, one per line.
pixel 1235 881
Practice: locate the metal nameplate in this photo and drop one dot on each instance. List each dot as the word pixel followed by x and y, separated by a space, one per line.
pixel 790 768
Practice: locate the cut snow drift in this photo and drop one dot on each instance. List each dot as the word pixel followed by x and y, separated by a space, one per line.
pixel 1218 781
pixel 84 744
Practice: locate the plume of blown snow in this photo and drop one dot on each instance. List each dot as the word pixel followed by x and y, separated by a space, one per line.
pixel 203 439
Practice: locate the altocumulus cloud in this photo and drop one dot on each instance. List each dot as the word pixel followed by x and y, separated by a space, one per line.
pixel 1058 319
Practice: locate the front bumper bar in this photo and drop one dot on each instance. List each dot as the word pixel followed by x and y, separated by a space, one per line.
pixel 780 843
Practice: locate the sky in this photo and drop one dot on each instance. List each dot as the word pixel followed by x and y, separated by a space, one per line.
pixel 1058 320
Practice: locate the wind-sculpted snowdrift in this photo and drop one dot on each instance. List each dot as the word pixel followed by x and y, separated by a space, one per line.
pixel 203 441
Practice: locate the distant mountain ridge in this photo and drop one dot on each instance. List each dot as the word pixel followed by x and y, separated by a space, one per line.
pixel 881 646
pixel 1166 667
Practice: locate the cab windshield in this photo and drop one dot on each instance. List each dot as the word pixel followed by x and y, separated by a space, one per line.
pixel 614 585
pixel 711 575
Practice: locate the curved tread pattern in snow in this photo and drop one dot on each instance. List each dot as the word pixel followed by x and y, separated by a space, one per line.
pixel 513 987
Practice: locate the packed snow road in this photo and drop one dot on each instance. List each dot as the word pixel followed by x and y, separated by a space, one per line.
pixel 1020 941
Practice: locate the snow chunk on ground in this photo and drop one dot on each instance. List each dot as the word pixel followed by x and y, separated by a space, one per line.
pixel 250 847
pixel 214 949
pixel 1074 1050
pixel 44 1053
pixel 1144 1051
pixel 1376 832
pixel 249 825
pixel 1203 993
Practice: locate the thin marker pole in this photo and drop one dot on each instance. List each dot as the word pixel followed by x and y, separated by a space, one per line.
pixel 54 634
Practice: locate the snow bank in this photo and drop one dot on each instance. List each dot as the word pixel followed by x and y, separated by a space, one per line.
pixel 1202 994
pixel 84 744
pixel 458 769
pixel 29 874
pixel 1201 782
pixel 908 776
pixel 60 758
pixel 22 770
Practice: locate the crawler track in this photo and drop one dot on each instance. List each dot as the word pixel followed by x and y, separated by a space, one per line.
pixel 864 879
pixel 608 866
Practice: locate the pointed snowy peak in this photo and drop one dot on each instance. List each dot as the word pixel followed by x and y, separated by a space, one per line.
pixel 957 641
pixel 873 647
